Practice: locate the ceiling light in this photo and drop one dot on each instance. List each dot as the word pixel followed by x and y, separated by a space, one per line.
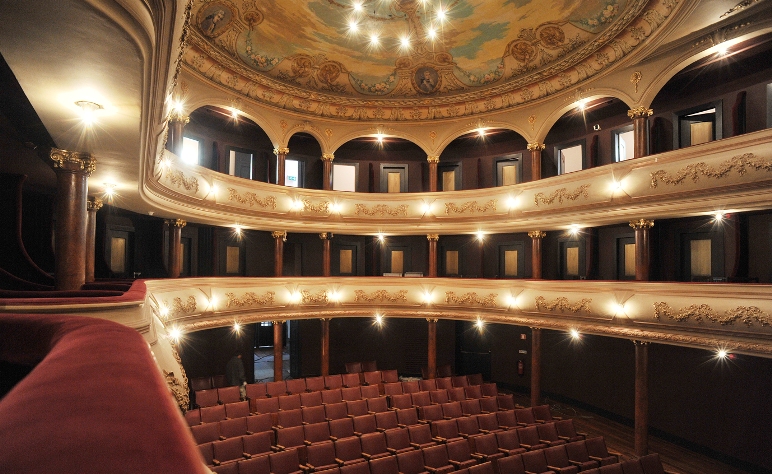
pixel 378 319
pixel 723 49
pixel 379 137
pixel 511 202
pixel 333 296
pixel 616 185
pixel 574 230
pixel 237 328
pixel 582 104
pixel 297 204
pixel 574 334
pixel 722 354
pixel 480 236
pixel 353 26
pixel 619 309
pixel 374 39
pixel 88 111
pixel 109 190
pixel 441 14
pixel 481 132
pixel 175 334
pixel 295 297
pixel 427 297
pixel 357 6
pixel 426 208
pixel 235 113
pixel 381 237
pixel 237 230
pixel 405 42
pixel 719 216
pixel 432 33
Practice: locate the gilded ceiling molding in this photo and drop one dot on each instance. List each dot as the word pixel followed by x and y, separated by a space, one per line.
pixel 177 178
pixel 561 194
pixel 740 6
pixel 640 111
pixel 251 199
pixel 382 210
pixel 177 307
pixel 380 295
pixel 562 304
pixel 470 298
pixel 703 312
pixel 471 206
pixel 182 45
pixel 279 234
pixel 249 298
pixel 537 234
pixel 642 224
pixel 94 204
pixel 739 163
pixel 320 208
pixel 319 298
pixel 73 161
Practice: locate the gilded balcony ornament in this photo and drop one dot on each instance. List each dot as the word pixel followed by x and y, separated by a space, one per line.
pixel 321 208
pixel 700 313
pixel 561 194
pixel 249 298
pixel 537 234
pixel 319 297
pixel 536 146
pixel 470 206
pixel 642 224
pixel 251 199
pixel 177 307
pixel 739 163
pixel 178 389
pixel 470 299
pixel 382 210
pixel 382 296
pixel 73 161
pixel 281 151
pixel 562 304
pixel 639 112
pixel 177 178
pixel 94 204
pixel 328 157
pixel 279 234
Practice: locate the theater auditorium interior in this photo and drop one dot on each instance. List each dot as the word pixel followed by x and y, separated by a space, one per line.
pixel 485 236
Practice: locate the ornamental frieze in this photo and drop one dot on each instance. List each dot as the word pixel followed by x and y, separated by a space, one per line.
pixel 739 164
pixel 251 199
pixel 700 313
pixel 249 299
pixel 382 210
pixel 561 194
pixel 381 296
pixel 470 298
pixel 178 307
pixel 178 179
pixel 562 304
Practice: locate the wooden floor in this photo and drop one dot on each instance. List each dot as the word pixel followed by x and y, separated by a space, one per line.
pixel 619 438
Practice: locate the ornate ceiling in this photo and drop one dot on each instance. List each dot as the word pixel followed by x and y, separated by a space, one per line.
pixel 404 62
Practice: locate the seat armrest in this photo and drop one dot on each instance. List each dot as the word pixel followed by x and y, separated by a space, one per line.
pixel 439 439
pixel 307 443
pixel 580 433
pixel 392 451
pixel 380 430
pixel 371 412
pixel 280 447
pixel 520 423
pixel 565 438
pixel 401 425
pixel 246 455
pixel 222 438
pixel 275 449
pixel 357 433
pixel 505 451
pixel 415 445
pixel 596 458
pixel 367 456
pixel 557 417
pixel 526 446
pixel 215 462
pixel 484 431
pixel 479 457
pixel 446 418
pixel 455 464
pixel 333 438
pixel 340 461
pixel 575 463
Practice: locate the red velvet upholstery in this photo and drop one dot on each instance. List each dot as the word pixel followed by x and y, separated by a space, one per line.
pixel 473 391
pixel 193 417
pixel 511 465
pixel 229 450
pixel 350 380
pixel 213 414
pixel 259 423
pixel 100 382
pixel 377 405
pixel 471 407
pixel 289 418
pixel 459 454
pixel 237 409
pixel 389 376
pixel 439 396
pixel 321 456
pixel 548 434
pixel 444 383
pixel 489 389
pixel 430 413
pixel 332 396
pixel 356 468
pixel 651 464
pixel 509 443
pixel 386 420
pixel 372 378
pixel 369 366
pixel 229 468
pixel 287 438
pixel 351 393
pixel 311 399
pixel 296 386
pixel 596 448
pixel 484 468
pixel 486 448
pixel 632 467
pixel 506 401
pixel 525 417
pixel 488 423
pixel 370 391
pixel 206 398
pixel 427 385
pixel 341 428
pixel 475 379
pixel 451 410
pixel 411 462
pixel 489 405
pixel 275 389
pixel 385 465
pixel 578 456
pixel 266 405
pixel 398 441
pixel 353 367
pixel 459 381
pixel 543 414
pixel 421 436
pixel 348 451
pixel 401 401
pixel 357 408
pixel 392 388
pixel 256 465
pixel 615 468
pixel 436 460
pixel 228 395
pixel 535 462
pixel 289 402
pixel 420 399
pixel 529 439
pixel 256 390
pixel 557 460
pixel 206 433
pixel 467 426
pixel 336 411
pixel 507 419
pixel 374 446
pixel 456 394
pixel 364 424
pixel 333 381
pixel 407 417
pixel 314 415
pixel 317 433
pixel 285 462
pixel 258 444
pixel 410 386
pixel 315 384
pixel 567 431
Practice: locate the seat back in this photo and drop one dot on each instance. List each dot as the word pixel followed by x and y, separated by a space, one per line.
pixel 256 390
pixel 377 405
pixel 348 449
pixel 373 443
pixel 206 433
pixel 485 444
pixel 193 417
pixel 384 465
pixel 473 391
pixel 615 468
pixel 488 422
pixel 336 411
pixel 206 398
pixel 529 436
pixel 296 386
pixel 392 388
pixel 508 440
pixel 651 464
pixel 257 443
pixel 507 419
pixel 430 413
pixel 452 410
pixel 370 391
pixel 353 367
pixel 333 381
pixel 313 415
pixel 207 452
pixel 548 432
pixel 233 427
pixel 566 428
pixel 436 456
pixel 365 424
pixel 427 385
pixel 632 467
pixel 439 396
pixel 506 401
pixel 403 401
pixel 459 381
pixel 228 395
pixel 386 420
pixel 218 381
pixel 407 416
pixel 369 366
pixel 444 382
pixel 315 384
pixel 311 399
pixel 237 409
pixel 200 383
pixel 489 389
pixel 456 394
pixel 276 388
pixel 285 462
pixel 372 378
pixel 411 462
pixel 524 416
pixel 350 380
pixel 420 399
pixel 557 456
pixel 482 468
pixel 292 437
pixel 511 465
pixel 356 407
pixel 332 396
pixel 467 426
pixel 317 432
pixel 356 468
pixel 256 465
pixel 342 428
pixel 266 405
pixel 534 461
pixel 390 376
pixel 289 402
pixel 410 386
pixel 542 413
pixel 475 379
pixel 459 451
pixel 422 434
pixel 228 450
pixel 489 404
pixel 321 454
pixel 351 393
pixel 398 439
pixel 471 407
pixel 289 418
pixel 212 414
pixel 596 447
pixel 259 423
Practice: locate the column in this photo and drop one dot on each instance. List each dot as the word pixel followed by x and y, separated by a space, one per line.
pixel 177 122
pixel 92 206
pixel 433 162
pixel 278 350
pixel 326 252
pixel 281 157
pixel 642 248
pixel 327 171
pixel 536 238
pixel 175 247
pixel 325 362
pixel 279 237
pixel 72 171
pixel 641 429
pixel 640 137
pixel 432 356
pixel 432 238
pixel 536 148
pixel 535 366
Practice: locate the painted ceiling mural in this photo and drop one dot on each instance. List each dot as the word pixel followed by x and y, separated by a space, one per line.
pixel 424 59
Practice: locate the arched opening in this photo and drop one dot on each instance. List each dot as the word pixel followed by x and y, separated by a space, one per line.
pixel 303 165
pixel 380 164
pixel 483 158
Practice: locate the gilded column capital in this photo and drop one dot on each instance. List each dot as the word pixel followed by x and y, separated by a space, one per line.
pixel 94 204
pixel 433 237
pixel 431 320
pixel 279 234
pixel 73 161
pixel 177 116
pixel 325 156
pixel 640 343
pixel 537 234
pixel 176 223
pixel 278 322
pixel 433 158
pixel 639 112
pixel 642 224
pixel 281 151
pixel 536 146
pixel 326 236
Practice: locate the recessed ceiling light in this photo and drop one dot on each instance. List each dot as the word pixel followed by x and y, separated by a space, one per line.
pixel 88 111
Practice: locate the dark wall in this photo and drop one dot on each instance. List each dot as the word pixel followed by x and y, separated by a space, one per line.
pixel 205 353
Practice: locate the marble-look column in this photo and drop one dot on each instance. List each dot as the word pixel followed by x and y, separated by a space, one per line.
pixel 536 148
pixel 432 355
pixel 433 162
pixel 326 252
pixel 325 359
pixel 642 248
pixel 281 157
pixel 175 247
pixel 278 350
pixel 641 428
pixel 432 238
pixel 72 171
pixel 279 237
pixel 92 206
pixel 177 122
pixel 640 116
pixel 535 366
pixel 536 256
pixel 327 171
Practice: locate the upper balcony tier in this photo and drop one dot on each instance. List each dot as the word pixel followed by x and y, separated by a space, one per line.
pixel 730 175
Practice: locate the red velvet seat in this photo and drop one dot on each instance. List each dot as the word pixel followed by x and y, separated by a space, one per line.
pixel 578 456
pixel 374 446
pixel 507 419
pixel 258 444
pixel 615 468
pixel 525 417
pixel 296 386
pixel 372 378
pixel 275 389
pixel 407 417
pixel 200 383
pixel 473 391
pixel 390 376
pixel 489 389
pixel 356 468
pixel 212 414
pixel 488 423
pixel 401 402
pixel 207 452
pixel 377 405
pixel 386 421
pixel 444 383
pixel 285 462
pixel 193 417
pixel 482 468
pixel 311 399
pixel 651 464
pixel 229 450
pixel 459 454
pixel 511 465
pixel 350 380
pixel 427 385
pixel 421 436
pixel 385 465
pixel 475 379
pixel 430 413
pixel 228 395
pixel 456 394
pixel 289 418
pixel 436 460
pixel 509 443
pixel 255 465
pixel 370 391
pixel 341 428
pixel 260 423
pixel 543 414
pixel 207 398
pixel 357 408
pixel 596 449
pixel 353 367
pixel 567 431
pixel 348 451
pixel 314 414
pixel 506 401
pixel 459 381
pixel 489 405
pixel 410 386
pixel 471 407
pixel 233 427
pixel 237 409
pixel 632 467
pixel 557 460
pixel 266 405
pixel 320 457
pixel 335 411
pixel 351 393
pixel 332 382
pixel 485 448
pixel 392 388
pixel 468 427
pixel 439 396
pixel 229 468
pixel 451 410
pixel 332 396
pixel 317 433
pixel 421 399
pixel 535 462
pixel 287 438
pixel 398 441
pixel 548 434
pixel 206 433
pixel 364 424
pixel 315 384
pixel 411 462
pixel 529 439
pixel 256 390
pixel 289 402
